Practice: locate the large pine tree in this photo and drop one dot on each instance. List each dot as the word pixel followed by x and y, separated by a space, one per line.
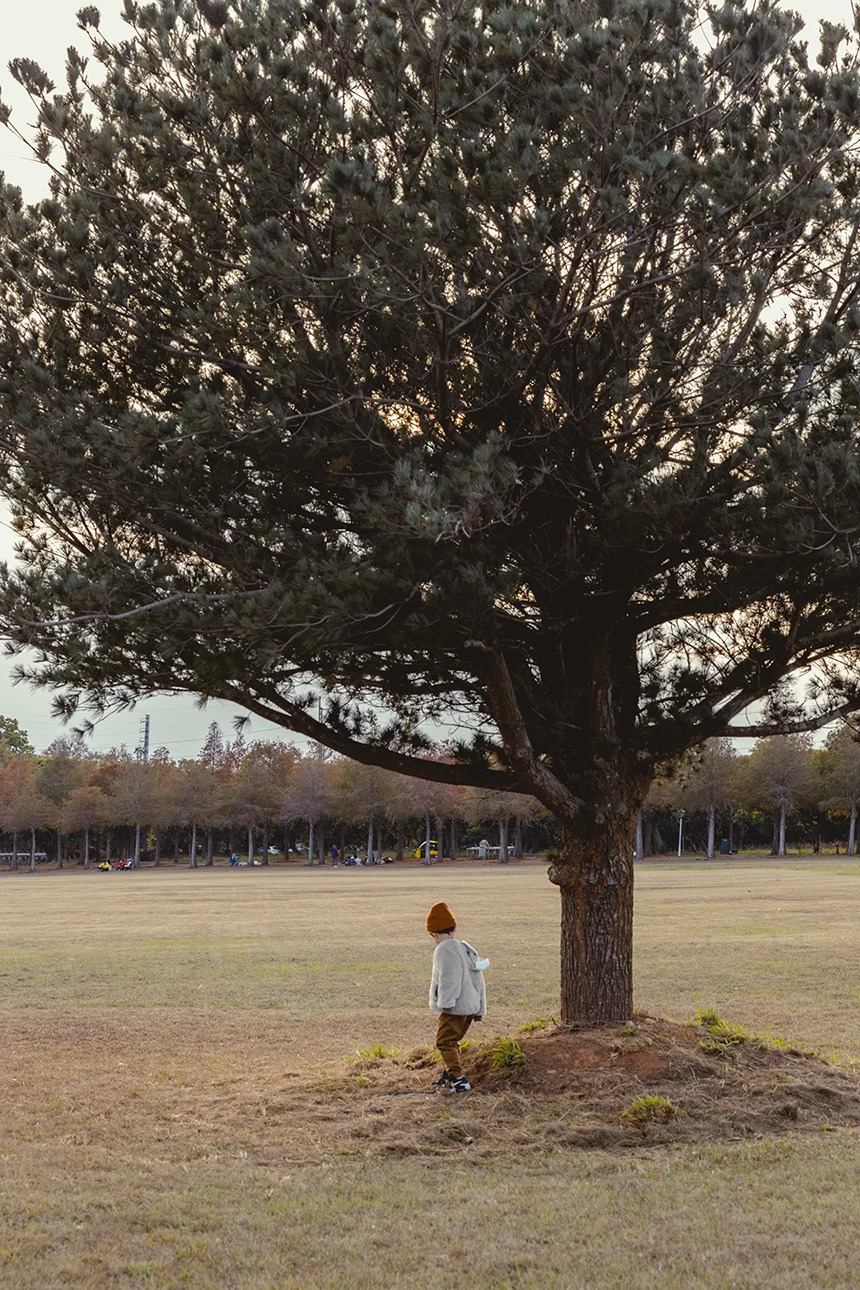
pixel 488 360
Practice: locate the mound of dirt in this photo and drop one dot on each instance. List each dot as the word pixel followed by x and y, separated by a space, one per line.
pixel 653 1081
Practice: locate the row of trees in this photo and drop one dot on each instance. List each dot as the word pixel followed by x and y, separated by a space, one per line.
pixel 128 803
pixel 784 779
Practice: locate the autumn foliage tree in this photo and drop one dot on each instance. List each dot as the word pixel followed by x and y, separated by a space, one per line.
pixel 372 362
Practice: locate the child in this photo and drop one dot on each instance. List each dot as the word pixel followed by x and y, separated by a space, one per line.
pixel 456 993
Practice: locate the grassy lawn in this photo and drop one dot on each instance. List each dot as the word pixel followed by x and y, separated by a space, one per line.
pixel 177 1108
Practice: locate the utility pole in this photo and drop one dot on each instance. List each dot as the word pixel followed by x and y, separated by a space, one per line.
pixel 143 753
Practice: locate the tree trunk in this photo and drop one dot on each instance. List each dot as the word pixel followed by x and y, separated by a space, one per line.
pixel 265 842
pixel 107 845
pixel 157 848
pixel 209 848
pixel 310 843
pixel 453 846
pixel 427 859
pixel 250 846
pixel 638 848
pixel 781 851
pixel 709 850
pixel 774 844
pixel 852 831
pixel 370 839
pixel 137 844
pixel 594 871
pixel 518 839
pixel 176 847
pixel 503 840
pixel 86 848
pixel 59 849
pixel 13 863
pixel 321 843
pixel 192 859
pixel 648 839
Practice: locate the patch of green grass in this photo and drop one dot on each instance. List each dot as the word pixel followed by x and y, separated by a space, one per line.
pixel 376 1052
pixel 651 1109
pixel 540 1023
pixel 724 1036
pixel 506 1053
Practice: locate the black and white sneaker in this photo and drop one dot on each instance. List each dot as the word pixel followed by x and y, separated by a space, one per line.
pixel 460 1085
pixel 443 1082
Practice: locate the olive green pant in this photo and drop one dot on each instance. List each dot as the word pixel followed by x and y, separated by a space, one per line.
pixel 451 1030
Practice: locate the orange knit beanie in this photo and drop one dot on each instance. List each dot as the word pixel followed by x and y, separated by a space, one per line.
pixel 440 918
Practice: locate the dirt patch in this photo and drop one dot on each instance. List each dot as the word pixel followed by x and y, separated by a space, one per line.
pixel 618 1087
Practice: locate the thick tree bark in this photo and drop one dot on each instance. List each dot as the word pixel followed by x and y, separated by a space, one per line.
pixel 594 870
pixel 310 843
pixel 638 849
pixel 86 848
pixel 503 840
pixel 209 861
pixel 59 849
pixel 709 850
pixel 852 831
pixel 518 839
pixel 781 851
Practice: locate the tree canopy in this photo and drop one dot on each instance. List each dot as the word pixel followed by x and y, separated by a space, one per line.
pixel 496 362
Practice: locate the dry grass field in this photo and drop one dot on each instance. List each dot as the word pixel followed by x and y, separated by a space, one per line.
pixel 183 1105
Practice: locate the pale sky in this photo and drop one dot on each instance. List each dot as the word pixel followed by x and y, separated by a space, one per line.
pixel 43 30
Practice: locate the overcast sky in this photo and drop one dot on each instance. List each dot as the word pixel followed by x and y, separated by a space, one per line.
pixel 43 30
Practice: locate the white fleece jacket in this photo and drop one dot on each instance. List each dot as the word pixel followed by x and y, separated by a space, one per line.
pixel 457 984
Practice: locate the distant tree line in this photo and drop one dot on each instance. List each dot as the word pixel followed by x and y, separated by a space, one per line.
pixel 783 791
pixel 82 808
